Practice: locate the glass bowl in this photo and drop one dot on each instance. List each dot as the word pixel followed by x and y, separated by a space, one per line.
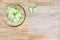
pixel 14 15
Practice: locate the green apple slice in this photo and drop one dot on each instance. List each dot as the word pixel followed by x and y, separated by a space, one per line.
pixel 34 9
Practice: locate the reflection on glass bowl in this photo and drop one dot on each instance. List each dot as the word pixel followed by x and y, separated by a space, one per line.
pixel 14 15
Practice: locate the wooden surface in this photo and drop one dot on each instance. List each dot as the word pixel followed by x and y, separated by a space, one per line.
pixel 12 33
pixel 37 26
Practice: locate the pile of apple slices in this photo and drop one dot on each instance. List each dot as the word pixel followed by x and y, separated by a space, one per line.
pixel 32 9
pixel 15 15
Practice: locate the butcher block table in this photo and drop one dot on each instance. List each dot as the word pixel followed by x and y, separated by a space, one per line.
pixel 37 26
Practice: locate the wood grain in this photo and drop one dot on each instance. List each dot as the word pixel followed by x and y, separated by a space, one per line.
pixel 44 3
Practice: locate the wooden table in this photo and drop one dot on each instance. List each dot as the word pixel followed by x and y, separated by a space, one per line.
pixel 36 26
